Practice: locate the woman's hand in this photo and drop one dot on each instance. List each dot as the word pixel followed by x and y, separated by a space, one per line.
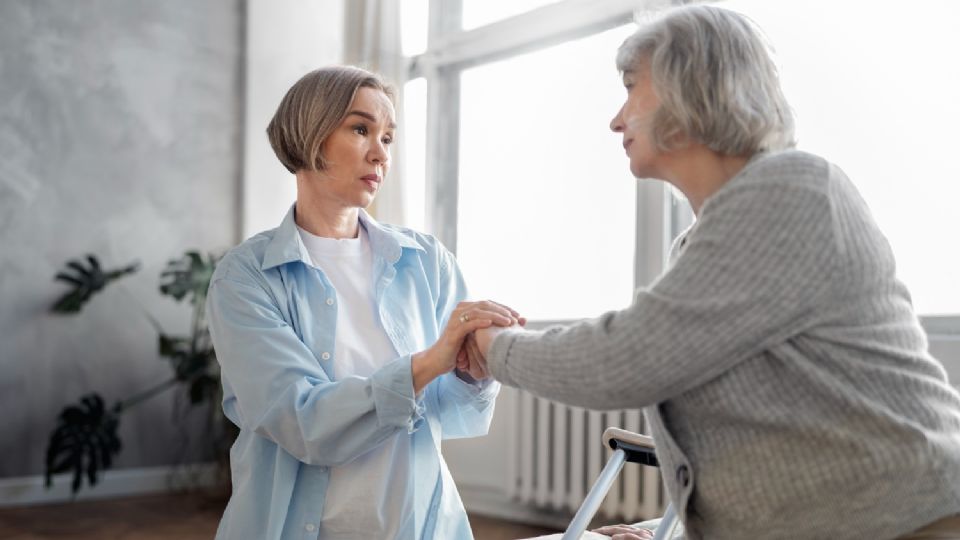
pixel 466 318
pixel 470 361
pixel 473 355
pixel 484 338
pixel 625 532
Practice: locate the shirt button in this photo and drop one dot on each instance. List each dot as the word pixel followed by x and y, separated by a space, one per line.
pixel 683 475
pixel 329 301
pixel 310 527
pixel 325 356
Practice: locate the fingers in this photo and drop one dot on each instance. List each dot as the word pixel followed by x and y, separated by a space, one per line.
pixel 463 362
pixel 458 331
pixel 497 317
pixel 512 311
pixel 477 364
pixel 625 532
pixel 506 316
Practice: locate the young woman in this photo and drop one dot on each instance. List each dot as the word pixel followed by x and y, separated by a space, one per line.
pixel 339 340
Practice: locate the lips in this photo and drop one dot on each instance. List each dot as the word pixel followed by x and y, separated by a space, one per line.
pixel 627 143
pixel 372 180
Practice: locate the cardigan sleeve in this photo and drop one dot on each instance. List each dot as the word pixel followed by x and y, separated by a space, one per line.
pixel 752 274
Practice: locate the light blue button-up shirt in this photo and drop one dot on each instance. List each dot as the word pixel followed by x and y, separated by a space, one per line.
pixel 273 329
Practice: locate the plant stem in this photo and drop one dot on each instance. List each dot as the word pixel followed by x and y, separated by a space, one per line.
pixel 145 395
pixel 143 310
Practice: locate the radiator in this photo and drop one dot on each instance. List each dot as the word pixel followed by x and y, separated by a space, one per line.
pixel 558 453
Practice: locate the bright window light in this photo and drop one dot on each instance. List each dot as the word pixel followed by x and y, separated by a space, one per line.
pixel 481 12
pixel 876 89
pixel 414 17
pixel 546 199
pixel 413 127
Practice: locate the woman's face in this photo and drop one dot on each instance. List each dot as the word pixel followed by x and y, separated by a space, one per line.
pixel 357 153
pixel 635 121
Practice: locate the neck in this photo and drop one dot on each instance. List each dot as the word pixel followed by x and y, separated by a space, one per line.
pixel 699 172
pixel 324 217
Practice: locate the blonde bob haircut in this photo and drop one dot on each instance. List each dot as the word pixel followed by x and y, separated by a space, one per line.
pixel 312 109
pixel 716 80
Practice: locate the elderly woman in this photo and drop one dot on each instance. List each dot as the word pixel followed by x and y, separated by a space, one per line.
pixel 783 371
pixel 317 326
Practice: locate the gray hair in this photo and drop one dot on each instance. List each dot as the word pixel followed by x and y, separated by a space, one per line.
pixel 716 80
pixel 312 109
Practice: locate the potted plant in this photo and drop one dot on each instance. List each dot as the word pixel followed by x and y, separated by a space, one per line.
pixel 85 438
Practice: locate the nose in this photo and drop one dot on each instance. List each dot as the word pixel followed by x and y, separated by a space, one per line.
pixel 379 153
pixel 616 124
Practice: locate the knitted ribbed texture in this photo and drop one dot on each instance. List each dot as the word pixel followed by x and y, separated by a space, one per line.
pixel 783 370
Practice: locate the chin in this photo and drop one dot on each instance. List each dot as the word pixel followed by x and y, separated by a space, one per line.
pixel 643 171
pixel 365 202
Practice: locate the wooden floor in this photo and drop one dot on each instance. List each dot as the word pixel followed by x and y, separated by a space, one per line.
pixel 179 517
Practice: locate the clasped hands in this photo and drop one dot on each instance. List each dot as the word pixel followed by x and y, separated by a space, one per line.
pixel 464 342
pixel 489 319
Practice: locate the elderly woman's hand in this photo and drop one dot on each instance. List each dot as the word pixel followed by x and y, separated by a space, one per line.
pixel 470 362
pixel 472 358
pixel 443 356
pixel 625 532
pixel 484 338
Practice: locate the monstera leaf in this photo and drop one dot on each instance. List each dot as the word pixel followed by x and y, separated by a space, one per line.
pixel 85 281
pixel 188 276
pixel 84 441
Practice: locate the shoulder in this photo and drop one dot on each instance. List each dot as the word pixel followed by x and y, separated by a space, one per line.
pixel 787 197
pixel 419 244
pixel 791 178
pixel 791 168
pixel 424 241
pixel 243 263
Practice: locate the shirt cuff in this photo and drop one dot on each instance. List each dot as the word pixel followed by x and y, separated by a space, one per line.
pixel 478 395
pixel 484 389
pixel 393 397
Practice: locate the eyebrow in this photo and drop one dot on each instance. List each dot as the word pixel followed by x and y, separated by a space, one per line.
pixel 371 118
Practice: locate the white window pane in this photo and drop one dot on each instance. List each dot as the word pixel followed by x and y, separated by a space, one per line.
pixel 876 89
pixel 414 18
pixel 481 12
pixel 414 131
pixel 546 200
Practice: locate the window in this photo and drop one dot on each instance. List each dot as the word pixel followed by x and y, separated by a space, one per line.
pixel 546 204
pixel 525 182
pixel 480 12
pixel 874 88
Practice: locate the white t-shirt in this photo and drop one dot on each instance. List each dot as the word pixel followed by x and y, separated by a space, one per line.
pixel 367 497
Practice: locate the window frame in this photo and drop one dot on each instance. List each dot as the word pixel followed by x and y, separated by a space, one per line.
pixel 451 50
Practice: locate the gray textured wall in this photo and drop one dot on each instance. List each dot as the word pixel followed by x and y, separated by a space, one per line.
pixel 119 135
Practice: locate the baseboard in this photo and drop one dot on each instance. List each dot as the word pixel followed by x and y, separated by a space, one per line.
pixel 495 503
pixel 30 490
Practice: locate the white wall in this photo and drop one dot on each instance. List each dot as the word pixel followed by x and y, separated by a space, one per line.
pixel 119 136
pixel 285 40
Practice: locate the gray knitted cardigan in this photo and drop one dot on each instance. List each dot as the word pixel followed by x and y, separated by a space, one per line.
pixel 780 365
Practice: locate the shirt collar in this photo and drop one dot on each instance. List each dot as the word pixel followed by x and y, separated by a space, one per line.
pixel 286 245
